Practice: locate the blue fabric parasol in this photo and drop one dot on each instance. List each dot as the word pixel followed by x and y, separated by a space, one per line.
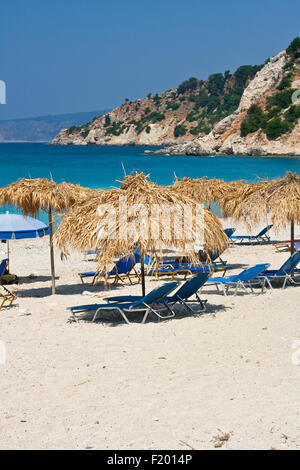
pixel 16 227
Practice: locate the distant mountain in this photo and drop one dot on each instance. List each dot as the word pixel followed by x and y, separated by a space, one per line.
pixel 43 128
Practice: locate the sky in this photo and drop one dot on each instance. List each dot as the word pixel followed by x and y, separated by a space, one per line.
pixel 83 55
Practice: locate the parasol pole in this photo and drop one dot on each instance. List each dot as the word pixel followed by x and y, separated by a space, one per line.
pixel 143 274
pixel 7 241
pixel 51 250
pixel 292 236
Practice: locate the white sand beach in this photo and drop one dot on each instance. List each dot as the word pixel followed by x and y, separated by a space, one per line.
pixel 174 384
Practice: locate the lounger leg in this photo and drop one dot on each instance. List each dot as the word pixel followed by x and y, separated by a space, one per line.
pixel 74 317
pixel 236 288
pixel 190 308
pixel 224 289
pixel 115 308
pixel 201 302
pixel 251 288
pixel 268 282
pixel 163 317
pixel 145 316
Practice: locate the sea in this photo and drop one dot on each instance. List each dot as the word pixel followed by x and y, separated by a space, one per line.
pixel 105 166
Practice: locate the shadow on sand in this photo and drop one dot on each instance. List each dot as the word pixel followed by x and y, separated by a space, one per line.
pixel 69 289
pixel 114 319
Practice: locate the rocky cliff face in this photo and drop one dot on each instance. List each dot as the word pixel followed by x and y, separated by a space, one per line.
pixel 250 112
pixel 227 138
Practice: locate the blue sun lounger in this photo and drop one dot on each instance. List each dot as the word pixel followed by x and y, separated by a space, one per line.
pixel 182 295
pixel 144 305
pixel 6 277
pixel 122 271
pixel 229 231
pixel 262 236
pixel 3 266
pixel 284 274
pixel 247 278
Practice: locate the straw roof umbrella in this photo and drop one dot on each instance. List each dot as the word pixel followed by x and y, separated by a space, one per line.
pixel 131 219
pixel 280 198
pixel 235 196
pixel 34 195
pixel 205 190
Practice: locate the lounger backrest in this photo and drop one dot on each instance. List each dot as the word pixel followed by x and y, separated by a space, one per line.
pixel 264 231
pixel 289 264
pixel 124 265
pixel 252 272
pixel 156 294
pixel 215 254
pixel 229 232
pixel 190 287
pixel 3 265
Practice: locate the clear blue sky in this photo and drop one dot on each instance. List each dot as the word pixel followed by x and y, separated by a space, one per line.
pixel 61 56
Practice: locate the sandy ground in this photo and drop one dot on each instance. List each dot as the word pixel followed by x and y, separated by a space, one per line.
pixel 166 385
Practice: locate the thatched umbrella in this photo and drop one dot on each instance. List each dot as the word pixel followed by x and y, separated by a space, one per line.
pixel 280 198
pixel 119 220
pixel 34 195
pixel 205 190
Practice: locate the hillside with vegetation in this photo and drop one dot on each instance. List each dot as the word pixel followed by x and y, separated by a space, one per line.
pixel 183 113
pixel 253 111
pixel 277 114
pixel 267 120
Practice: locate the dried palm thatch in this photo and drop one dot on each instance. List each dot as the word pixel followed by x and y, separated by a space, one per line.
pixel 279 198
pixel 119 220
pixel 34 195
pixel 205 190
pixel 235 196
pixel 76 193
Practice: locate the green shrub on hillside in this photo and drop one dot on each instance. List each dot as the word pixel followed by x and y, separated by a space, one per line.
pixel 117 129
pixel 190 84
pixel 243 73
pixel 179 130
pixel 173 106
pixel 294 48
pixel 253 121
pixel 286 82
pixel 292 115
pixel 275 128
pixel 279 101
pixel 107 121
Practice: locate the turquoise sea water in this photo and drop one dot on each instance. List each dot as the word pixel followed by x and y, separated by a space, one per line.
pixel 99 167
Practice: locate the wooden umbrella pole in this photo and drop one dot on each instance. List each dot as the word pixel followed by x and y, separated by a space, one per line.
pixel 292 237
pixel 7 241
pixel 51 250
pixel 143 274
